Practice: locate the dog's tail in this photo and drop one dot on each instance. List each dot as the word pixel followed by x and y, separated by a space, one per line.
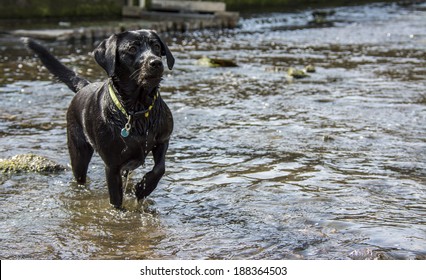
pixel 60 71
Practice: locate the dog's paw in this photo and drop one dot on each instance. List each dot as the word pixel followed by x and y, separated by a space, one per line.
pixel 141 190
pixel 146 186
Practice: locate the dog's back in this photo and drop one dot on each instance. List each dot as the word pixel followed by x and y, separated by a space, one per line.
pixel 60 71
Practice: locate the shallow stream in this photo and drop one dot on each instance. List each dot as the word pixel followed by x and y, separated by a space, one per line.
pixel 260 165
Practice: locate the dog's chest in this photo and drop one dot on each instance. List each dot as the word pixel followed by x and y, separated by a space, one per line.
pixel 136 148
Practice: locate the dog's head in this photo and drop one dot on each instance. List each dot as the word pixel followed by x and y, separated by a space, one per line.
pixel 134 56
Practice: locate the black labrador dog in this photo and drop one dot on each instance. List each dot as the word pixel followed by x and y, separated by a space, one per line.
pixel 123 118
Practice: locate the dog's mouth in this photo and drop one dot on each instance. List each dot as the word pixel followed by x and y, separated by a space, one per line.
pixel 150 74
pixel 147 75
pixel 149 80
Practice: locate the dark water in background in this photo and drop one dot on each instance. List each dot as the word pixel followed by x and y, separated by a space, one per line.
pixel 332 166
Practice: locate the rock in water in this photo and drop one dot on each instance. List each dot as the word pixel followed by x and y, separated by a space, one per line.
pixel 216 62
pixel 29 163
pixel 310 68
pixel 296 73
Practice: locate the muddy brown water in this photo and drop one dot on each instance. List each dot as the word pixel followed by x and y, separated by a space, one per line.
pixel 260 166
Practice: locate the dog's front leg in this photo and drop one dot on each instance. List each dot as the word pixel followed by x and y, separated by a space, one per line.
pixel 151 179
pixel 115 188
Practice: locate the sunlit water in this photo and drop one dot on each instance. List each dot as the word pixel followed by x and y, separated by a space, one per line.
pixel 260 166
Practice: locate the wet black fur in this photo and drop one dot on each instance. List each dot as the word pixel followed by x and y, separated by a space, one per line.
pixel 133 63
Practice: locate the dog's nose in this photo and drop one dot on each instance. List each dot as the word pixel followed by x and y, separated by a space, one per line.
pixel 155 63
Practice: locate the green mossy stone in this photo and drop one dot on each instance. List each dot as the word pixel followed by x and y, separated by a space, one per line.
pixel 216 62
pixel 29 163
pixel 310 68
pixel 297 73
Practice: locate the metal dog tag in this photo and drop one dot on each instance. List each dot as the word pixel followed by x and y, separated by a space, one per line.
pixel 124 132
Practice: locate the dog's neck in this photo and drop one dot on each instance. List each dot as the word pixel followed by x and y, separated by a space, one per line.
pixel 134 95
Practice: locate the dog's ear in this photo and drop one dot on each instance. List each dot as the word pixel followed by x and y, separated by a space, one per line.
pixel 105 54
pixel 165 52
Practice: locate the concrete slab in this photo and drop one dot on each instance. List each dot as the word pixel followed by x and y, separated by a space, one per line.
pixel 188 6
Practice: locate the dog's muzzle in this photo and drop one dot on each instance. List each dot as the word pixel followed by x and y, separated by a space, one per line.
pixel 152 71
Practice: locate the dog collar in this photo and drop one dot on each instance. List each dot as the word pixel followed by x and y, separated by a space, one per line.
pixel 125 131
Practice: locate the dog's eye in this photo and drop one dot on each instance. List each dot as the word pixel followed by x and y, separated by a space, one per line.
pixel 132 50
pixel 156 48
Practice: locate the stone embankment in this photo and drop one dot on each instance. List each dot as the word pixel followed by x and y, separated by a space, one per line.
pixel 178 24
pixel 162 15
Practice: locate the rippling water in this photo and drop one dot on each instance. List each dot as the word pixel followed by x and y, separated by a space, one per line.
pixel 260 166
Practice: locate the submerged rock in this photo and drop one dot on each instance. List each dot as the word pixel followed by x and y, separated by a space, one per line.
pixel 310 68
pixel 320 18
pixel 216 62
pixel 29 163
pixel 294 72
pixel 297 73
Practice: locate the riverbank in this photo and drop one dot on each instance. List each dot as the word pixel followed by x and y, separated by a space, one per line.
pixel 163 16
pixel 286 5
pixel 100 30
pixel 112 9
pixel 162 21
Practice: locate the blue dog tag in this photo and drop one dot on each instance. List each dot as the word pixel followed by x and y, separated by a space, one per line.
pixel 124 132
